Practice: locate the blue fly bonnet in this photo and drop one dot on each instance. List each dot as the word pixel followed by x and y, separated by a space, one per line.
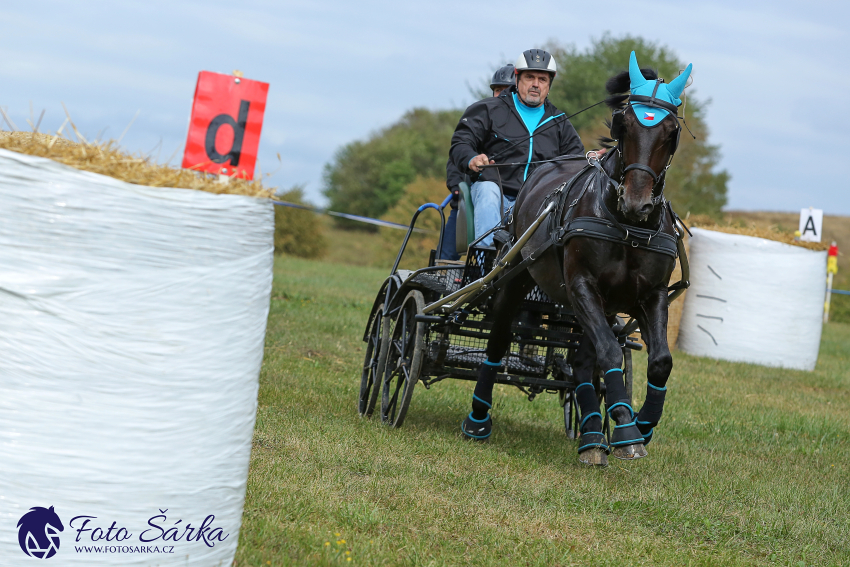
pixel 652 100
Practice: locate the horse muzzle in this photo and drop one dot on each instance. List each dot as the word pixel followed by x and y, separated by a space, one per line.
pixel 636 210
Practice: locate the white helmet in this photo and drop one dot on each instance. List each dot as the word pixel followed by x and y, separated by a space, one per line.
pixel 536 60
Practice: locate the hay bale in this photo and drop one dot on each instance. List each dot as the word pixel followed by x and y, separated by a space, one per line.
pixel 767 233
pixel 133 333
pixel 740 285
pixel 674 311
pixel 108 159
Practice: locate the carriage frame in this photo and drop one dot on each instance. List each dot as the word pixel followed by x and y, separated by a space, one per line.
pixel 432 324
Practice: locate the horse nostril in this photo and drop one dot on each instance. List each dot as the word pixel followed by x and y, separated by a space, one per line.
pixel 645 210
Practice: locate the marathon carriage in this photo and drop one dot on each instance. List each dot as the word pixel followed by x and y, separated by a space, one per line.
pixel 433 323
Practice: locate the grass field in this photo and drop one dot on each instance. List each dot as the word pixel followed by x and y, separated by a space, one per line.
pixel 362 248
pixel 749 466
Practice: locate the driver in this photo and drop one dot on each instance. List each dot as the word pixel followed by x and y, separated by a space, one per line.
pixel 504 127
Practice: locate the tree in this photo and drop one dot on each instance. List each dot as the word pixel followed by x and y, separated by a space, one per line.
pixel 693 184
pixel 368 177
pixel 298 232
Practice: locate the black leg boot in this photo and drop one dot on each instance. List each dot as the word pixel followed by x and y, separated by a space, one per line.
pixel 615 396
pixel 478 425
pixel 590 427
pixel 650 413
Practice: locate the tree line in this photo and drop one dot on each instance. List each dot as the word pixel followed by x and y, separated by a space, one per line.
pixel 369 177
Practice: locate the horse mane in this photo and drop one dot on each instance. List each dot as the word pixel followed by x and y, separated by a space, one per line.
pixel 618 91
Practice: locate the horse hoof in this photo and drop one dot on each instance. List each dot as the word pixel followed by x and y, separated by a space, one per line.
pixel 595 457
pixel 630 452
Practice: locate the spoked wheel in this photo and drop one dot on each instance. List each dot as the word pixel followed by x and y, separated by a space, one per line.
pixel 567 399
pixel 628 378
pixel 373 368
pixel 405 352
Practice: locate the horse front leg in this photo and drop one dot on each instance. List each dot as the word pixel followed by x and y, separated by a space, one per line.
pixel 592 446
pixel 626 440
pixel 478 424
pixel 652 317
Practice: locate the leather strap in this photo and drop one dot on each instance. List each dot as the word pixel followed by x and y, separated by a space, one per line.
pixel 594 227
pixel 652 101
pixel 642 167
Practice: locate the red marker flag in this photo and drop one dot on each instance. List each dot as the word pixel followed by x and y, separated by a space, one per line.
pixel 224 131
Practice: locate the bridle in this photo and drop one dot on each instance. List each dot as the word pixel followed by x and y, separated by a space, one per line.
pixel 658 179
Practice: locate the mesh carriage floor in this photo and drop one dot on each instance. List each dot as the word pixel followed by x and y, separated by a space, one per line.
pixel 528 365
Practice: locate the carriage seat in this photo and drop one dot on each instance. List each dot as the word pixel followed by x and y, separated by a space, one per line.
pixel 465 228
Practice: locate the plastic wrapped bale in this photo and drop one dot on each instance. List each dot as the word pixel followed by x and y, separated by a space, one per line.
pixel 753 300
pixel 132 324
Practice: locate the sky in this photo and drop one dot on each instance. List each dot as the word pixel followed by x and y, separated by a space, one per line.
pixel 339 71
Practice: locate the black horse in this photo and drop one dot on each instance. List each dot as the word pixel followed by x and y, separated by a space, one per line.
pixel 610 248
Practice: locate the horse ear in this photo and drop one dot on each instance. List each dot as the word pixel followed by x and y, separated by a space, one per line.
pixel 677 85
pixel 51 508
pixel 636 78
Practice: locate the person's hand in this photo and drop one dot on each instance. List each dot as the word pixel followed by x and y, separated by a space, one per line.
pixel 601 152
pixel 455 198
pixel 479 160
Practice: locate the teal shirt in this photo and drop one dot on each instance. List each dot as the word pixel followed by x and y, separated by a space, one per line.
pixel 530 116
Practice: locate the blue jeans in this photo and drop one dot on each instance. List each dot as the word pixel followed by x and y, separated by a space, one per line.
pixel 486 200
pixel 448 249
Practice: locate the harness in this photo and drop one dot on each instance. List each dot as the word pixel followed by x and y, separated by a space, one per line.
pixel 608 229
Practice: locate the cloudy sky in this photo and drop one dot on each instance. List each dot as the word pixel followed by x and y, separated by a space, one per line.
pixel 774 71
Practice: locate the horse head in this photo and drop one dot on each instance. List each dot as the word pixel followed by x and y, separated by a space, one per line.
pixel 647 130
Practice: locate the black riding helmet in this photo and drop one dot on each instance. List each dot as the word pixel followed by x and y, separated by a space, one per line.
pixel 536 60
pixel 504 77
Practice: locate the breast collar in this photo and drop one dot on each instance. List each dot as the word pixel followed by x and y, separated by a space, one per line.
pixel 608 228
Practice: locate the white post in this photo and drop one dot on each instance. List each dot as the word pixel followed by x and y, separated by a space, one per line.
pixel 828 296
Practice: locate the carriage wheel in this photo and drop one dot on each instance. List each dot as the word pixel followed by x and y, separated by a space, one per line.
pixel 373 368
pixel 571 415
pixel 405 354
pixel 628 378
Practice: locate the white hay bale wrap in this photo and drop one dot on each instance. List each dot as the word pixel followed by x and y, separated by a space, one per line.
pixel 132 323
pixel 753 300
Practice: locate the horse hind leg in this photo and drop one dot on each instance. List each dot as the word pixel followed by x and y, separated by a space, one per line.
pixel 478 424
pixel 627 442
pixel 659 364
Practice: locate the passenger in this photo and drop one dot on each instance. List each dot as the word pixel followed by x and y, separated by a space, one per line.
pixel 502 79
pixel 504 127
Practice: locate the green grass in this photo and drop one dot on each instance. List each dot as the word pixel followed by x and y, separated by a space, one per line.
pixel 749 466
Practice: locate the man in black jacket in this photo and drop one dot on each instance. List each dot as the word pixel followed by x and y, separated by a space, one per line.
pixel 502 79
pixel 519 126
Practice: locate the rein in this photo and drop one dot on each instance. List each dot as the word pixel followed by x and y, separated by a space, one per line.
pixel 556 120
